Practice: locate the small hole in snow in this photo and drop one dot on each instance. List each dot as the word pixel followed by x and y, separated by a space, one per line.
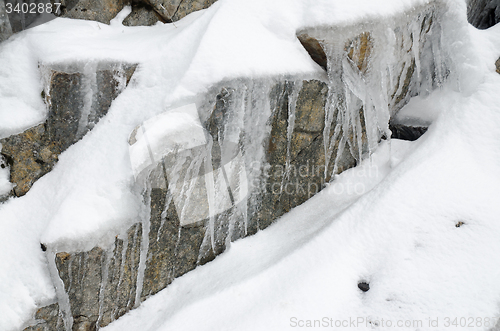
pixel 363 286
pixel 44 248
pixel 2 166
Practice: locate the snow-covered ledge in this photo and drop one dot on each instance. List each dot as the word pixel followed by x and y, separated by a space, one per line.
pixel 112 241
pixel 334 119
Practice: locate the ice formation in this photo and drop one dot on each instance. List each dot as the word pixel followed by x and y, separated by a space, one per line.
pixel 376 73
pixel 373 70
pixel 364 92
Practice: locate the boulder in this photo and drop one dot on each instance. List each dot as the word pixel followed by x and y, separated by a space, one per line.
pixel 267 146
pixel 34 152
pixel 101 284
pixel 142 14
pixel 101 11
pixel 188 6
pixel 174 10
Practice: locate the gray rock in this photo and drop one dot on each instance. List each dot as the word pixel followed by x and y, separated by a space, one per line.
pixel 119 293
pixel 483 13
pixel 290 185
pixel 359 50
pixel 34 152
pixel 173 250
pixel 142 14
pixel 186 7
pixel 101 11
pixel 240 118
pixel 83 292
pixel 20 20
pixel 165 8
pixel 101 284
pixel 5 28
pixel 174 10
pixel 314 48
pixel 405 132
pixel 48 318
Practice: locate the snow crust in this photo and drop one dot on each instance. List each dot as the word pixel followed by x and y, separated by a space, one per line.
pixel 398 231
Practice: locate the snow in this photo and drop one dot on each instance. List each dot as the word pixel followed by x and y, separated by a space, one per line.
pixel 401 237
pixel 175 130
pixel 5 185
pixel 391 221
pixel 423 111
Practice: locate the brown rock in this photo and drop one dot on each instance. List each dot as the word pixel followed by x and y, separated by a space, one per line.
pixel 174 10
pixel 142 15
pixel 315 50
pixel 359 50
pixel 101 11
pixel 310 107
pixel 35 152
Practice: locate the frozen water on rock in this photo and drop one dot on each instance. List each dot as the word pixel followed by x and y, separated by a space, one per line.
pixel 80 183
pixel 386 63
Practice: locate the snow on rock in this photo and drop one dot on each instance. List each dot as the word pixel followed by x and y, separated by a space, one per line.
pixel 402 237
pixel 308 263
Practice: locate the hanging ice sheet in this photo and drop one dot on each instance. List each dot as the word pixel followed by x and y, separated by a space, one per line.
pixel 178 142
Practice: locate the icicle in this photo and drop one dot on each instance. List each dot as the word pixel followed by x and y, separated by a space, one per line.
pixel 146 225
pixel 438 61
pixel 90 88
pixel 168 200
pixel 333 105
pixel 122 270
pixel 416 48
pixel 292 104
pixel 178 240
pixel 340 152
pixel 211 193
pixel 256 129
pixel 62 295
pixel 104 282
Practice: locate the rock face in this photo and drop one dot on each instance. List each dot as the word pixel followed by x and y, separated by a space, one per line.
pixel 483 13
pixel 34 152
pixel 142 14
pixel 49 319
pixel 5 28
pixel 174 10
pixel 187 7
pixel 101 11
pixel 20 20
pixel 106 289
pixel 268 146
pixel 148 12
pixel 295 155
